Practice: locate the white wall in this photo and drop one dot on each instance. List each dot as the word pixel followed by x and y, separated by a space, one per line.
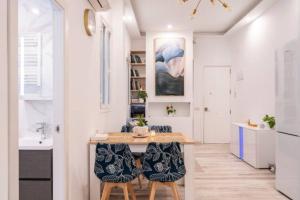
pixel 253 51
pixel 119 68
pixel 83 89
pixel 208 51
pixel 138 44
pixel 182 123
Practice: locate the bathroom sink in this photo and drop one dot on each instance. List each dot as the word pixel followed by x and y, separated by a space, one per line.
pixel 35 143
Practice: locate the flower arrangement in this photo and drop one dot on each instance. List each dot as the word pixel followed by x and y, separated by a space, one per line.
pixel 171 111
pixel 270 120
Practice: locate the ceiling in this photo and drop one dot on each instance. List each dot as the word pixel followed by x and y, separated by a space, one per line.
pixel 156 15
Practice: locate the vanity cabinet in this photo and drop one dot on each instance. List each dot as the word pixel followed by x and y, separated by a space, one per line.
pixel 36 175
pixel 253 145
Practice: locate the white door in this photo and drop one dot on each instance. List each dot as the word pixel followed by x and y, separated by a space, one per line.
pixel 217 104
pixel 58 100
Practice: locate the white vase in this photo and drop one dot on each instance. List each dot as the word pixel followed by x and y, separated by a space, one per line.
pixel 171 114
pixel 140 130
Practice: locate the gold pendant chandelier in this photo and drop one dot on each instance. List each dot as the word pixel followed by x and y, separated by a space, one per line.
pixel 224 4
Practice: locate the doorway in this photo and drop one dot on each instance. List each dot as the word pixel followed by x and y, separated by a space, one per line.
pixel 217 113
pixel 41 100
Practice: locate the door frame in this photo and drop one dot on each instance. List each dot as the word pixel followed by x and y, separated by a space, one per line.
pixel 12 95
pixel 59 189
pixel 4 158
pixel 203 97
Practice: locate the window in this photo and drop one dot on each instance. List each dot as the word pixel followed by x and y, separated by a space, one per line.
pixel 105 66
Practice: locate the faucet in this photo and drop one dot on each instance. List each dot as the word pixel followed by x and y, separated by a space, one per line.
pixel 42 130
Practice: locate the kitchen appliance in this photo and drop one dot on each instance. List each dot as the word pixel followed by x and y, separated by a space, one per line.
pixel 288 120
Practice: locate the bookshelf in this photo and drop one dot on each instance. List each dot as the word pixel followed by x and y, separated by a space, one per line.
pixel 137 79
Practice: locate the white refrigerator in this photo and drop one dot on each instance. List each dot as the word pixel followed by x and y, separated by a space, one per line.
pixel 288 120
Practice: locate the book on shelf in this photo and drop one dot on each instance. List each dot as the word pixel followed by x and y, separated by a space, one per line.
pixel 136 73
pixel 135 85
pixel 132 58
pixel 137 59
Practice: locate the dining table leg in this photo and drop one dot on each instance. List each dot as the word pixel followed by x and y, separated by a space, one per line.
pixel 95 192
pixel 189 161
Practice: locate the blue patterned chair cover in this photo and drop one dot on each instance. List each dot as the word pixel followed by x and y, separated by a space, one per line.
pixel 115 163
pixel 163 162
pixel 161 129
pixel 126 128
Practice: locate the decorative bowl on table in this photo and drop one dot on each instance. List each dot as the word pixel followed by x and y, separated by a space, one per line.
pixel 140 131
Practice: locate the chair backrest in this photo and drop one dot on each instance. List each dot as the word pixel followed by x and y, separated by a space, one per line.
pixel 163 162
pixel 115 163
pixel 161 129
pixel 126 128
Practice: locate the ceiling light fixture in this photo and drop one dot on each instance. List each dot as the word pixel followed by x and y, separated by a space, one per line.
pixel 195 10
pixel 182 1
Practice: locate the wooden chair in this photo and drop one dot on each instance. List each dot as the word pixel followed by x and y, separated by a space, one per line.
pixel 138 155
pixel 163 164
pixel 116 167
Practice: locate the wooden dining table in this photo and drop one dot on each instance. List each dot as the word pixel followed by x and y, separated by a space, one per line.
pixel 140 145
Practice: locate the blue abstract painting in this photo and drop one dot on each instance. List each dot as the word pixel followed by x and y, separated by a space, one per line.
pixel 169 66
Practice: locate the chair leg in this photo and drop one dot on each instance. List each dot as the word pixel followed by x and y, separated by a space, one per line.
pixel 110 186
pixel 105 191
pixel 140 181
pixel 125 191
pixel 175 191
pixel 131 191
pixel 150 184
pixel 153 190
pixel 139 165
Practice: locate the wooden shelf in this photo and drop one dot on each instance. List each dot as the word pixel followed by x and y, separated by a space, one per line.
pixel 137 90
pixel 135 82
pixel 138 52
pixel 138 64
pixel 138 77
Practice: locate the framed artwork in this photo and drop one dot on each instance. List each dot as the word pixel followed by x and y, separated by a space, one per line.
pixel 169 66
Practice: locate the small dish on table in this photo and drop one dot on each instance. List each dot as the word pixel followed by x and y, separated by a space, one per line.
pixel 137 135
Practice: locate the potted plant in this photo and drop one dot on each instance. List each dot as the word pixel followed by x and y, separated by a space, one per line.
pixel 142 95
pixel 141 127
pixel 270 120
pixel 171 111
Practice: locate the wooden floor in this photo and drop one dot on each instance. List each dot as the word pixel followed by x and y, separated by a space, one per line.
pixel 220 176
